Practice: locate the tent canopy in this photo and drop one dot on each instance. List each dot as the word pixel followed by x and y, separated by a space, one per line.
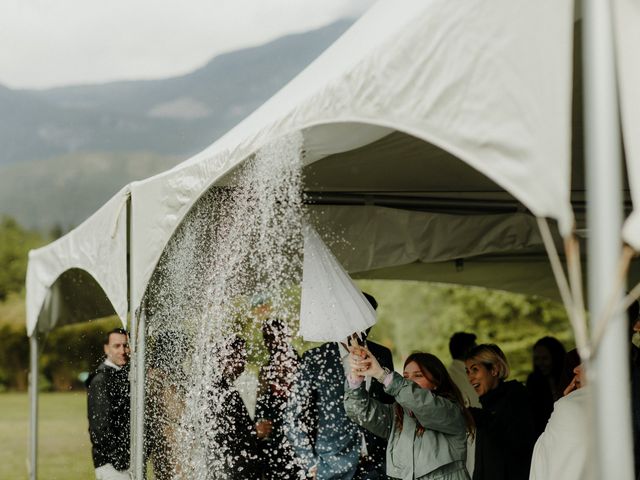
pixel 627 21
pixel 82 275
pixel 474 124
pixel 478 87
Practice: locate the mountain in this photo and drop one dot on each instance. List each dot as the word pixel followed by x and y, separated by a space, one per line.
pixel 31 127
pixel 174 116
pixel 66 150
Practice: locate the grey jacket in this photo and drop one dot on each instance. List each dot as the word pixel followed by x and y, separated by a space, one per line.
pixel 440 452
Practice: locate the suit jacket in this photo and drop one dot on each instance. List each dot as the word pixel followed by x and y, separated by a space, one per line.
pixel 108 412
pixel 276 454
pixel 377 446
pixel 318 427
pixel 233 443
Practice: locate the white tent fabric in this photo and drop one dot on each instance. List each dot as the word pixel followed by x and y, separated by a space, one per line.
pixel 372 238
pixel 627 19
pixel 332 307
pixel 98 247
pixel 480 79
pixel 503 251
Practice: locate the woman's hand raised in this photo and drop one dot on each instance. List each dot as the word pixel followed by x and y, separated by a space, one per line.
pixel 358 362
pixel 363 363
pixel 361 360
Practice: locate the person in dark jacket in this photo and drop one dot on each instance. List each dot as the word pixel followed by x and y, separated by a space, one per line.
pixel 373 464
pixel 326 442
pixel 504 425
pixel 275 382
pixel 233 442
pixel 544 384
pixel 108 409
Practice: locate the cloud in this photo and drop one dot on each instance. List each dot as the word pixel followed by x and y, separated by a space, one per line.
pixel 64 42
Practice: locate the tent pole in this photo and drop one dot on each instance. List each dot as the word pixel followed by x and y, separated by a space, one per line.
pixel 609 370
pixel 132 364
pixel 33 404
pixel 133 379
pixel 137 330
pixel 139 397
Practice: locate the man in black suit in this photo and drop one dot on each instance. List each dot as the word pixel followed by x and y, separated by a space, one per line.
pixel 373 464
pixel 232 437
pixel 108 409
pixel 327 443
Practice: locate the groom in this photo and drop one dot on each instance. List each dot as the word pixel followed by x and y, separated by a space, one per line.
pixel 328 444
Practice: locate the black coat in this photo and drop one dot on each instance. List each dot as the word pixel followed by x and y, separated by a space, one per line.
pixel 377 446
pixel 108 412
pixel 235 446
pixel 276 454
pixel 541 400
pixel 504 434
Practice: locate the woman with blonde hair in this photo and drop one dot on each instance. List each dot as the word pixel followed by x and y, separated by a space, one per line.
pixel 426 428
pixel 505 433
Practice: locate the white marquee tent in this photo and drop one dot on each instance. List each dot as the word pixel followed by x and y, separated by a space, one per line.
pixel 436 135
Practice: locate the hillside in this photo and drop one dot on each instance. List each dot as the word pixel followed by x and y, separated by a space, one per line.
pixel 67 150
pixel 65 190
pixel 173 116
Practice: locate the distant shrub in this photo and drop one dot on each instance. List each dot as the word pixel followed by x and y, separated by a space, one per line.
pixel 15 243
pixel 65 353
pixel 411 316
pixel 14 357
pixel 421 316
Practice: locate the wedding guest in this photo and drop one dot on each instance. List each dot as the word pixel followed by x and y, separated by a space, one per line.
pixel 505 433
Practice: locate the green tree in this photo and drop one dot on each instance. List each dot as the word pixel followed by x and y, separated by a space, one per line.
pixel 56 231
pixel 15 243
pixel 421 316
pixel 14 357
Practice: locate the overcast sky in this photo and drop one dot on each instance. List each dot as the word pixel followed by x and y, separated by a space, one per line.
pixel 46 43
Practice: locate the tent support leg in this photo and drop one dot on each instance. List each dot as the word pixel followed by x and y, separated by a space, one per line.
pixel 609 370
pixel 133 375
pixel 137 331
pixel 33 407
pixel 137 403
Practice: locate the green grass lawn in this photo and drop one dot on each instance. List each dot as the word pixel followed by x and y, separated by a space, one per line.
pixel 64 447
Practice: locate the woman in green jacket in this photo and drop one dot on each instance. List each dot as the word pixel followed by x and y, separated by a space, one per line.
pixel 427 426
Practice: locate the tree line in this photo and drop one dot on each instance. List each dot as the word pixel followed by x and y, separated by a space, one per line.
pixel 65 352
pixel 412 316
